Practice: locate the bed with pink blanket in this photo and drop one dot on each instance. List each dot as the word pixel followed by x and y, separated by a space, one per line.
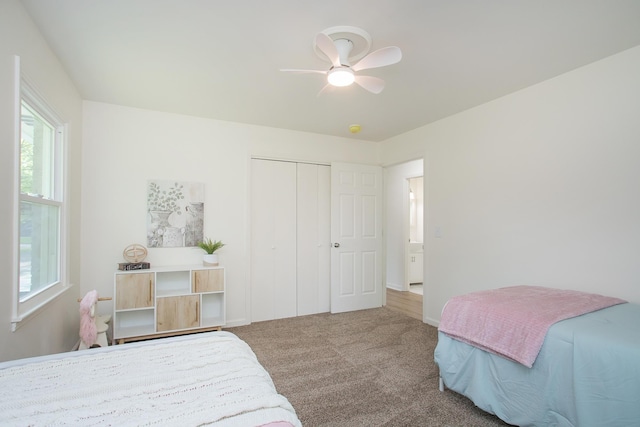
pixel 193 380
pixel 539 356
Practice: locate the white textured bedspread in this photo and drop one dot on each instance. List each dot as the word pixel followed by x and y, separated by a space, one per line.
pixel 513 321
pixel 203 379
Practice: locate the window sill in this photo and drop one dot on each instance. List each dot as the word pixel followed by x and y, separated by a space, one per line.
pixel 22 318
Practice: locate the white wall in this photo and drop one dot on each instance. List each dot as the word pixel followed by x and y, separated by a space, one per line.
pixel 124 147
pixel 397 220
pixel 539 187
pixel 55 328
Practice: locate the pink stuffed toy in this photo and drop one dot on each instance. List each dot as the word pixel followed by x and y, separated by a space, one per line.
pixel 88 330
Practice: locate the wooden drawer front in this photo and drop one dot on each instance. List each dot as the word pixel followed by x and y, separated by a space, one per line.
pixel 181 312
pixel 208 280
pixel 134 291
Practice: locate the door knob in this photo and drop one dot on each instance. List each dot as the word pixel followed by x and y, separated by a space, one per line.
pixel 336 245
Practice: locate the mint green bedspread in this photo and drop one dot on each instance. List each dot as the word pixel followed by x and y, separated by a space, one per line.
pixel 586 374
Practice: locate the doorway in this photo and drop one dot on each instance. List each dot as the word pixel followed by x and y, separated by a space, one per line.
pixel 398 221
pixel 404 225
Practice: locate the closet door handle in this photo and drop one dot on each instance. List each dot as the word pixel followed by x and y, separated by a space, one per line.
pixel 336 245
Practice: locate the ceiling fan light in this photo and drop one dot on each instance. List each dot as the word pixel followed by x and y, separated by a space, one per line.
pixel 340 77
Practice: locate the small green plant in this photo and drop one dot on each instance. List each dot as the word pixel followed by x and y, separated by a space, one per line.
pixel 210 246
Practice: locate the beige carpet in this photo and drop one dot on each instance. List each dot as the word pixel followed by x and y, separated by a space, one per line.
pixel 364 368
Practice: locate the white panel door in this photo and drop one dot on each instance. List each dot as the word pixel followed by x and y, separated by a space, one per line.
pixel 313 239
pixel 356 234
pixel 273 240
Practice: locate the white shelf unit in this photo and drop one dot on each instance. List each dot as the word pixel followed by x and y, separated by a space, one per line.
pixel 170 283
pixel 166 301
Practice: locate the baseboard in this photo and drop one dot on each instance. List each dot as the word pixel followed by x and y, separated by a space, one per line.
pixel 234 323
pixel 432 322
pixel 394 286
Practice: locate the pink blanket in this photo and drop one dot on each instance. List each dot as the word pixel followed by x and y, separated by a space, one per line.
pixel 512 322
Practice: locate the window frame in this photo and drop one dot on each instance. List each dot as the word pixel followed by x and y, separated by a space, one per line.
pixel 32 304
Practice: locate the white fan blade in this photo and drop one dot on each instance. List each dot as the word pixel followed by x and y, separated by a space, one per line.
pixel 291 70
pixel 326 45
pixel 326 89
pixel 372 84
pixel 379 58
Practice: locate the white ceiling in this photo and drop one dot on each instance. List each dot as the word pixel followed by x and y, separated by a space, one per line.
pixel 221 58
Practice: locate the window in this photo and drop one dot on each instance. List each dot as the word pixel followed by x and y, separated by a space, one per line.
pixel 41 205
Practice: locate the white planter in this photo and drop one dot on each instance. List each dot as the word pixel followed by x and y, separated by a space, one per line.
pixel 210 259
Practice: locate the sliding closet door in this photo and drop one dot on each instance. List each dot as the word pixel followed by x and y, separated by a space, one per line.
pixel 313 239
pixel 273 240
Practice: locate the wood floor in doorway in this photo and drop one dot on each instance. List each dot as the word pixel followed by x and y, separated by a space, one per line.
pixel 408 303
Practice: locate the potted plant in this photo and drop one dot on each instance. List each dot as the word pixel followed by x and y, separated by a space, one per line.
pixel 210 247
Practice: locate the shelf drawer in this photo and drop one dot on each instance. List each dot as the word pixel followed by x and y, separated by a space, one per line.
pixel 134 290
pixel 181 312
pixel 208 280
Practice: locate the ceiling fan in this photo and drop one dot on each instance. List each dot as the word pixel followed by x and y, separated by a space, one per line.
pixel 341 45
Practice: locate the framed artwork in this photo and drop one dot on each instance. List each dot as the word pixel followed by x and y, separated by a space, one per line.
pixel 175 214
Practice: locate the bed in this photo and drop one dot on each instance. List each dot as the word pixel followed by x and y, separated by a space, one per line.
pixel 202 379
pixel 586 371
